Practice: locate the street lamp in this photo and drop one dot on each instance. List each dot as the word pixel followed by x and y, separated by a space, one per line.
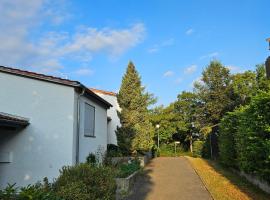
pixel 267 62
pixel 157 126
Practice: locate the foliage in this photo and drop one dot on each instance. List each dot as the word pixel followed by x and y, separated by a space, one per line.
pixel 126 169
pixel 113 151
pixel 245 137
pixel 86 182
pixel 37 191
pixel 91 159
pixel 198 148
pixel 136 131
pixel 214 94
pixel 243 86
pixel 168 150
pixel 253 137
pixel 228 128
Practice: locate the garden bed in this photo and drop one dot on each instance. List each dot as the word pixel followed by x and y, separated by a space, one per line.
pixel 125 185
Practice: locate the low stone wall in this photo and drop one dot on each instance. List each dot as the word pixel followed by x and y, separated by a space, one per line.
pixel 263 185
pixel 143 159
pixel 125 185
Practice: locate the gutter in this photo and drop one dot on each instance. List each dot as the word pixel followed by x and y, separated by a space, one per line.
pixel 78 125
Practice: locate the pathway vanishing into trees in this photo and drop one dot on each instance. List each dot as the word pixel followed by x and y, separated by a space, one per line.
pixel 169 179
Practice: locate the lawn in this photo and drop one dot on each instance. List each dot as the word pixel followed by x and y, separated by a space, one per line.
pixel 224 184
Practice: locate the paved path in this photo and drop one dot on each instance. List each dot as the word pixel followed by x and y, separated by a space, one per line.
pixel 169 179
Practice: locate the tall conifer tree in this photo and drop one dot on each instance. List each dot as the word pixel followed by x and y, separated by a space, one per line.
pixel 136 131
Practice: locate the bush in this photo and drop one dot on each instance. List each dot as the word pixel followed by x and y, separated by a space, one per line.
pixel 113 151
pixel 127 169
pixel 253 137
pixel 197 148
pixel 91 159
pixel 86 182
pixel 245 137
pixel 227 147
pixel 37 191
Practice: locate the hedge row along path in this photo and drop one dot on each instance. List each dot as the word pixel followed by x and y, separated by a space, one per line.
pixel 169 179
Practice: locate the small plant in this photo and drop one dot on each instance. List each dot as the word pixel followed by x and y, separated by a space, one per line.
pixel 127 169
pixel 91 159
pixel 9 193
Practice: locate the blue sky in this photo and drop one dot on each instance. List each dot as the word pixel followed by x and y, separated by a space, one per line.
pixel 170 42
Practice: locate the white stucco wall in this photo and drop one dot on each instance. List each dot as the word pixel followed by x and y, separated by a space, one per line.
pixel 91 144
pixel 112 113
pixel 47 143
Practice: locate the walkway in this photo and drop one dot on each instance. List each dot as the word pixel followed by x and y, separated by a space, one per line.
pixel 169 179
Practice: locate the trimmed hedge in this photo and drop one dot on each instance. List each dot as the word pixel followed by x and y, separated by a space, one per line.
pixel 245 137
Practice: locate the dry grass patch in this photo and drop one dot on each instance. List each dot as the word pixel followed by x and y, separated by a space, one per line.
pixel 224 184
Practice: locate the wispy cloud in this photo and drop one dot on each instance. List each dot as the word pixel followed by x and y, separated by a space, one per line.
pixel 155 48
pixel 191 69
pixel 84 72
pixel 168 73
pixel 47 51
pixel 178 80
pixel 210 55
pixel 189 31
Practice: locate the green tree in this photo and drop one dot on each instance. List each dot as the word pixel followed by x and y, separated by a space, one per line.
pixel 244 86
pixel 136 131
pixel 214 93
pixel 186 106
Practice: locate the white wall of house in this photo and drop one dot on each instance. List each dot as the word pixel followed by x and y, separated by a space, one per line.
pixel 99 141
pixel 112 113
pixel 47 144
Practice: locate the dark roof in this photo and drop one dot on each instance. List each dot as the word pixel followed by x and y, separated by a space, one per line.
pixel 12 120
pixel 103 92
pixel 57 80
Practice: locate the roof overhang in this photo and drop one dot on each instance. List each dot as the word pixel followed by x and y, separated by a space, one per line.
pixel 13 121
pixel 57 80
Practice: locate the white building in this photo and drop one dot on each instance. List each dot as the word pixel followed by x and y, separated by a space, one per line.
pixel 46 123
pixel 113 119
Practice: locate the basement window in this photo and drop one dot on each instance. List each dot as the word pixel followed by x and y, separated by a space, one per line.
pixel 89 120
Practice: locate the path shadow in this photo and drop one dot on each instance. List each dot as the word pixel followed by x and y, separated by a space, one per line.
pixel 241 183
pixel 143 185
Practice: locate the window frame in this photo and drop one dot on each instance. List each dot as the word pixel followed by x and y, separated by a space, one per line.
pixel 94 125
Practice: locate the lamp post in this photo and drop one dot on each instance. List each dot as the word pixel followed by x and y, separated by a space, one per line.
pixel 267 62
pixel 157 126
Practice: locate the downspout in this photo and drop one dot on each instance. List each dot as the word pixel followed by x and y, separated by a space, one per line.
pixel 78 126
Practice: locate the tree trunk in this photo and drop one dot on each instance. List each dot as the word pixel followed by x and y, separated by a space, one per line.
pixel 190 144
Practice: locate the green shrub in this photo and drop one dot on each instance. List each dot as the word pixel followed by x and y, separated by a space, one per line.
pixel 113 151
pixel 86 182
pixel 197 148
pixel 227 146
pixel 245 137
pixel 91 159
pixel 127 169
pixel 37 192
pixel 253 137
pixel 9 193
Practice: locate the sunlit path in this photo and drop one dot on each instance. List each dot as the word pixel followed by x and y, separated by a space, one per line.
pixel 169 179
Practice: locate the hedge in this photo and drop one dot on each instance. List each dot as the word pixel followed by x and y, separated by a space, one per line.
pixel 245 137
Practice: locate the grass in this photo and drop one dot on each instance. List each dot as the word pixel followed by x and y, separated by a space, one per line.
pixel 224 184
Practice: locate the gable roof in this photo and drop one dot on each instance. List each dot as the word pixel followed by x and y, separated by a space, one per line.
pixel 103 92
pixel 56 80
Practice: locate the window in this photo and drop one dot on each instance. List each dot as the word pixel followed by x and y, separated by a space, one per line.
pixel 89 120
